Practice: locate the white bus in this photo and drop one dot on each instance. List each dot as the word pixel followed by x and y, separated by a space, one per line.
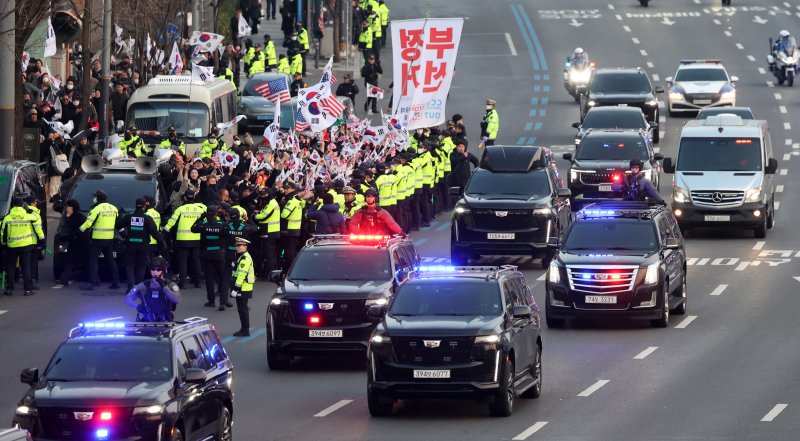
pixel 192 107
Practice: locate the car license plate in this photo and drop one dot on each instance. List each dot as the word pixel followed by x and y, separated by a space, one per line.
pixel 605 188
pixel 710 218
pixel 601 299
pixel 263 117
pixel 431 374
pixel 701 101
pixel 325 333
pixel 500 235
pixel 622 105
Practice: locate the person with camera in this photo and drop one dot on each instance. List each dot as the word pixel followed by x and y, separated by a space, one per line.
pixel 155 299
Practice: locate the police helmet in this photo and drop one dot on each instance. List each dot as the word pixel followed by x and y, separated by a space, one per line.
pixel 784 33
pixel 158 262
pixel 636 163
pixel 578 51
pixel 233 214
pixel 189 194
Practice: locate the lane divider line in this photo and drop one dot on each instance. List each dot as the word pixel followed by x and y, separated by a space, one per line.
pixel 534 428
pixel 718 290
pixel 443 226
pixel 779 188
pixel 593 388
pixel 532 33
pixel 3 311
pixel 511 45
pixel 420 241
pixel 759 245
pixel 228 339
pixel 685 322
pixel 774 412
pixel 762 71
pixel 525 37
pixel 778 96
pixel 751 58
pixel 333 408
pixel 642 355
pixel 253 335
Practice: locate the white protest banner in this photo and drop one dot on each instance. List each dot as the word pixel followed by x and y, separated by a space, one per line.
pixel 244 28
pixel 424 57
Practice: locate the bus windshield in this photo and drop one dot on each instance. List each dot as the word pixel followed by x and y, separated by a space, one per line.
pixel 189 119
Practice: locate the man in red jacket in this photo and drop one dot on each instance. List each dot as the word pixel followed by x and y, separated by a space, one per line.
pixel 372 219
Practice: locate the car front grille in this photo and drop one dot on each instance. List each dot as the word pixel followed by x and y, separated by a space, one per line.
pixel 596 178
pixel 63 423
pixel 434 350
pixel 602 279
pixel 714 97
pixel 717 198
pixel 505 220
pixel 331 312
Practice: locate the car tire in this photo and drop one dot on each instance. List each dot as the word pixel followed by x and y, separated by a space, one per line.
pixel 761 231
pixel 274 360
pixel 552 322
pixel 681 309
pixel 771 216
pixel 502 404
pixel 176 435
pixel 546 258
pixel 656 136
pixel 536 373
pixel 225 432
pixel 376 407
pixel 663 321
pixel 790 79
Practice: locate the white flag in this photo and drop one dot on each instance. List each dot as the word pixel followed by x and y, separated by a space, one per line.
pixel 63 129
pixel 208 41
pixel 176 60
pixel 374 92
pixel 118 37
pixel 50 48
pixel 26 59
pixel 224 127
pixel 244 28
pixel 198 55
pixel 272 131
pixel 202 73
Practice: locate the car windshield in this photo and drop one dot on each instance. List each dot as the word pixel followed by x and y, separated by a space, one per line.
pixel 447 298
pixel 611 118
pixel 120 360
pixel 535 184
pixel 611 234
pixel 719 154
pixel 742 113
pixel 122 193
pixel 249 88
pixel 610 149
pixel 189 119
pixel 357 264
pixel 620 82
pixel 710 74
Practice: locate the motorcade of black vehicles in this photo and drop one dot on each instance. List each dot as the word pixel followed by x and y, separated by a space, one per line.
pixel 628 118
pixel 457 332
pixel 115 381
pixel 512 205
pixel 603 158
pixel 123 185
pixel 618 259
pixel 623 87
pixel 321 305
pixel 254 104
pixel 741 112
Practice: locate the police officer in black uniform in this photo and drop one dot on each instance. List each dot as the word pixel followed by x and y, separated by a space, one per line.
pixel 213 244
pixel 237 228
pixel 636 187
pixel 155 299
pixel 138 227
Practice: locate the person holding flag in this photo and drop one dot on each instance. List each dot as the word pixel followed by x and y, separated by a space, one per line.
pixel 371 72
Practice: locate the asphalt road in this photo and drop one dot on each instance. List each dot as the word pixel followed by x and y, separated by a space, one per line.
pixel 725 371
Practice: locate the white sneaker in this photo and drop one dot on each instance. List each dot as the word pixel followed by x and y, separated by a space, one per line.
pixel 58 286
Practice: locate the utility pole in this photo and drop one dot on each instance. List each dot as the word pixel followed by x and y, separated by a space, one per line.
pixel 196 16
pixel 7 80
pixel 105 78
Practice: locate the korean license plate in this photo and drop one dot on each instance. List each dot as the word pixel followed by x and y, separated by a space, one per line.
pixel 701 102
pixel 601 299
pixel 606 188
pixel 717 218
pixel 263 117
pixel 325 333
pixel 622 105
pixel 431 374
pixel 500 235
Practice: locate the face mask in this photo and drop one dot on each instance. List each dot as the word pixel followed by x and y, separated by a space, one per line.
pixel 75 103
pixel 136 81
pixel 488 107
pixel 237 142
pixel 70 86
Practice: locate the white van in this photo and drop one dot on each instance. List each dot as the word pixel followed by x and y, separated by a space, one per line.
pixel 192 107
pixel 724 175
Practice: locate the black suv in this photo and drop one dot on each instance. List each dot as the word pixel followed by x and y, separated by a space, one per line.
pixel 512 204
pixel 321 306
pixel 623 87
pixel 602 159
pixel 622 258
pixel 457 332
pixel 630 118
pixel 132 381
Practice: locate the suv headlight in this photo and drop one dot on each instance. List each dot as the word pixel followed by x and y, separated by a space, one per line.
pixel 278 301
pixel 731 94
pixel 591 103
pixel 753 195
pixel 461 209
pixel 491 339
pixel 379 301
pixel 378 339
pixel 148 410
pixel 675 96
pixel 652 102
pixel 27 410
pixel 541 211
pixel 680 195
pixel 554 272
pixel 651 276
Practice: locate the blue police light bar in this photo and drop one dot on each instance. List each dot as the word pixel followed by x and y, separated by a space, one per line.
pixel 102 325
pixel 308 306
pixel 598 213
pixel 438 268
pixel 101 434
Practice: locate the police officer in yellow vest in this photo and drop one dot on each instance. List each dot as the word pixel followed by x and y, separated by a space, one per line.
pixel 248 55
pixel 258 61
pixel 283 65
pixel 172 142
pixel 377 33
pixel 291 223
pixel 21 230
pixel 490 124
pixel 365 39
pixel 268 219
pixel 40 246
pixel 385 183
pixel 336 192
pixel 228 75
pixel 402 173
pixel 210 145
pixel 269 50
pixel 352 202
pixel 102 219
pixel 187 244
pixel 297 64
pixel 242 280
pixel 302 38
pixel 132 145
pixel 383 13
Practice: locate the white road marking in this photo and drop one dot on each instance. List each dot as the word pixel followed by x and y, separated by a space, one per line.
pixel 739 46
pixel 333 408
pixel 778 96
pixel 655 77
pixel 779 188
pixel 787 156
pixel 774 412
pixel 619 17
pixel 542 277
pixel 751 58
pixel 511 44
pixel 787 141
pixel 787 4
pixel 657 149
pixel 759 245
pixel 784 171
pixel 769 84
pixel 645 353
pixel 610 6
pixel 539 424
pixel 762 71
pixel 650 65
pixel 627 28
pixel 718 290
pixel 593 388
pixel 782 109
pixel 3 311
pixel 643 52
pixel 727 33
pixel 685 322
pixel 777 205
pixel 716 22
pixel 787 126
pixel 742 266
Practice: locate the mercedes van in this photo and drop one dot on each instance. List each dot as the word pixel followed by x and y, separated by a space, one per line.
pixel 724 175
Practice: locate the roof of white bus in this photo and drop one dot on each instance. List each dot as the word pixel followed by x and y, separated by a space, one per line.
pixel 177 87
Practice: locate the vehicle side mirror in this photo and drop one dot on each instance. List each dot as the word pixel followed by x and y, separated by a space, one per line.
pixel 567 156
pixel 29 376
pixel 275 276
pixel 772 166
pixel 455 191
pixel 195 375
pixel 375 312
pixel 553 243
pixel 668 166
pixel 564 192
pixel 668 80
pixel 576 125
pixel 401 275
pixel 659 89
pixel 521 312
pixel 734 78
pixel 658 157
pixel 672 243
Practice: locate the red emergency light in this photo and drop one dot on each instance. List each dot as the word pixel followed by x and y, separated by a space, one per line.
pixel 367 237
pixel 615 177
pixel 105 416
pixel 314 320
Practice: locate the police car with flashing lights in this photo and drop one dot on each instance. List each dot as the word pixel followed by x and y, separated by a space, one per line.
pixel 321 305
pixel 698 84
pixel 456 332
pixel 114 381
pixel 618 259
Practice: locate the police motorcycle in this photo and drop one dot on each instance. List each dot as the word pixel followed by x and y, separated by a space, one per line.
pixel 784 58
pixel 577 76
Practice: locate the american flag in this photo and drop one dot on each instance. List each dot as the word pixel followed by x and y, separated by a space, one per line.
pixel 275 90
pixel 300 123
pixel 331 105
